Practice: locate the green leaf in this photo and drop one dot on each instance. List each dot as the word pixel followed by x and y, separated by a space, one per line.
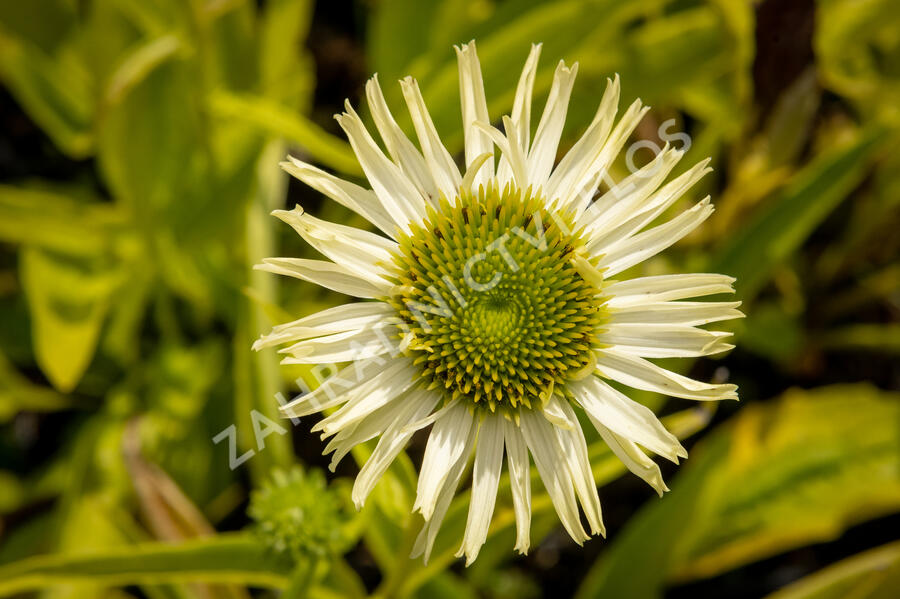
pixel 57 221
pixel 874 574
pixel 780 475
pixel 281 122
pixel 68 297
pixel 137 65
pixel 779 230
pixel 858 53
pixel 870 337
pixel 18 394
pixel 54 90
pixel 285 74
pixel 226 558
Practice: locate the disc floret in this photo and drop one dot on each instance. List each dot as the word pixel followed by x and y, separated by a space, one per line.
pixel 491 301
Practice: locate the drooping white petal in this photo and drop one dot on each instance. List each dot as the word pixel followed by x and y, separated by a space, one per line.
pixel 521 112
pixel 542 154
pixel 474 108
pixel 652 241
pixel 626 417
pixel 485 480
pixel 664 341
pixel 541 439
pixel 636 212
pixel 415 404
pixel 326 274
pixel 363 252
pixel 364 429
pixel 425 540
pixel 443 170
pixel 664 288
pixel 642 374
pixel 336 389
pixel 473 171
pixel 362 201
pixel 371 395
pixel 575 453
pixel 511 150
pixel 520 482
pixel 554 412
pixel 396 192
pixel 357 344
pixel 633 457
pixel 346 317
pixel 446 443
pixel 401 149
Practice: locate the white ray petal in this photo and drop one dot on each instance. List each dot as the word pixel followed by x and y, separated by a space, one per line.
pixel 652 241
pixel 364 429
pixel 416 404
pixel 520 482
pixel 336 389
pixel 443 170
pixel 485 481
pixel 664 288
pixel 326 274
pixel 567 176
pixel 446 443
pixel 396 192
pixel 542 154
pixel 574 449
pixel 376 392
pixel 554 412
pixel 541 439
pixel 346 317
pixel 521 113
pixel 363 252
pixel 642 374
pixel 473 171
pixel 362 201
pixel 663 341
pixel 401 149
pixel 347 346
pixel 626 417
pixel 474 108
pixel 638 212
pixel 679 313
pixel 425 540
pixel 510 149
pixel 633 457
pixel 626 197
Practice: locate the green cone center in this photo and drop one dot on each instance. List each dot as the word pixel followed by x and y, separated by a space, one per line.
pixel 493 307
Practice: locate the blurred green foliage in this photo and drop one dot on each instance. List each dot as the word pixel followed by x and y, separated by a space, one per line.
pixel 128 303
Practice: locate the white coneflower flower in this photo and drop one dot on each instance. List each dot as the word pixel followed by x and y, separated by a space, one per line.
pixel 496 309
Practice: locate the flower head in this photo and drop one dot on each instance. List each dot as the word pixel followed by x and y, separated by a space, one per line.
pixel 297 515
pixel 498 307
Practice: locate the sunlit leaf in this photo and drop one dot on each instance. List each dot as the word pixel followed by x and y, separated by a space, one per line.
pixel 858 48
pixel 68 297
pixel 779 230
pixel 280 122
pixel 784 474
pixel 874 574
pixel 54 90
pixel 234 559
pixel 871 337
